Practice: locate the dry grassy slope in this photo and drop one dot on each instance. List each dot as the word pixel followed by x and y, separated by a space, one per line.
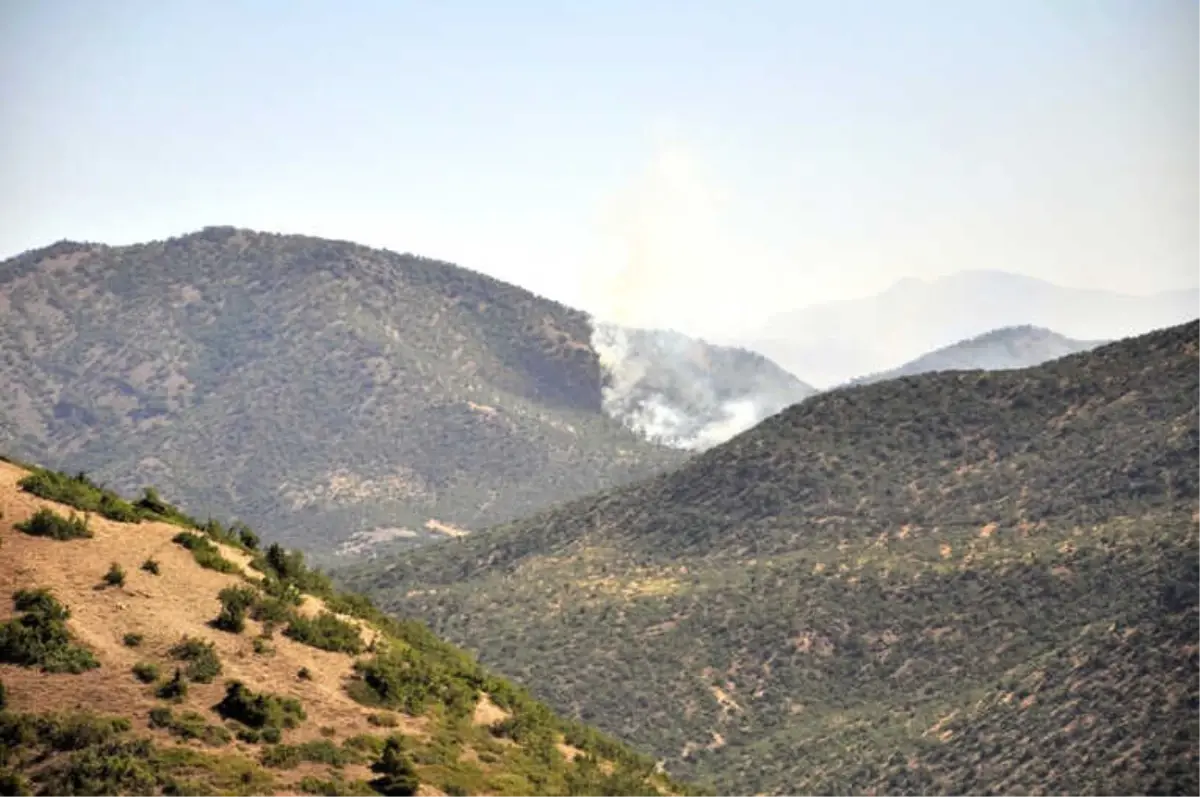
pixel 163 608
pixel 322 387
pixel 181 601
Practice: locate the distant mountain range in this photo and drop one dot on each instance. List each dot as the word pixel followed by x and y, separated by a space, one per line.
pixel 833 343
pixel 998 350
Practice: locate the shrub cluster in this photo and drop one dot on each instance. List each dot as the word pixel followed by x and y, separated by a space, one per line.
pixel 39 636
pixel 204 552
pixel 48 523
pixel 235 601
pixel 259 710
pixel 326 632
pixel 203 664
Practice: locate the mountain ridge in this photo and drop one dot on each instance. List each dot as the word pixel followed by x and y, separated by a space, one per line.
pixel 329 388
pixel 858 593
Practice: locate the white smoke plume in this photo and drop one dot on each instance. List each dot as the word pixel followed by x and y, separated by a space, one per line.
pixel 685 393
pixel 666 261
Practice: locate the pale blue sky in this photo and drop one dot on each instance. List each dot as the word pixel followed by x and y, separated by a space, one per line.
pixel 758 155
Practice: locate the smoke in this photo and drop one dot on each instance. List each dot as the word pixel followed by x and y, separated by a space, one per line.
pixel 685 393
pixel 667 262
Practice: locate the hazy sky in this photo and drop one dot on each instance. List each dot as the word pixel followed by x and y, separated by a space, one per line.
pixel 695 164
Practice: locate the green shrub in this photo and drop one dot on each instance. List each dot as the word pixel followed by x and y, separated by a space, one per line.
pixel 259 710
pixel 146 671
pixel 234 603
pixel 39 637
pixel 248 539
pixel 397 775
pixel 118 767
pixel 319 751
pixel 151 567
pixel 115 577
pixel 406 680
pixel 335 787
pixel 17 784
pixel 271 735
pixel 3 696
pixel 175 689
pixel 271 610
pixel 326 632
pixel 304 674
pixel 80 492
pixel 189 725
pixel 248 735
pixel 161 717
pixel 132 640
pixel 48 523
pixel 383 720
pixel 262 647
pixel 203 662
pixel 204 552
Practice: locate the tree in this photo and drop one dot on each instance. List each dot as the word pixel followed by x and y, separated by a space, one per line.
pixel 397 776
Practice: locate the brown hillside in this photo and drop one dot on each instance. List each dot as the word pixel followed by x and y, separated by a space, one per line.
pixel 181 601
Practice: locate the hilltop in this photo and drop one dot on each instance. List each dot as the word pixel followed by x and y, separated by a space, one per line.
pixel 338 395
pixel 833 342
pixel 152 654
pixel 964 582
pixel 998 350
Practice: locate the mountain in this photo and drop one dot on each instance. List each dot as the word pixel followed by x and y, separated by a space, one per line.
pixel 998 350
pixel 340 396
pixel 688 393
pixel 963 582
pixel 834 342
pixel 203 662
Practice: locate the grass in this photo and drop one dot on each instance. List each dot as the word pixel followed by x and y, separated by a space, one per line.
pixel 132 640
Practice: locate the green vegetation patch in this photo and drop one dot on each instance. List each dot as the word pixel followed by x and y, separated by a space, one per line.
pixel 235 602
pixel 48 523
pixel 259 710
pixel 80 492
pixel 326 632
pixel 39 636
pixel 203 664
pixel 189 725
pixel 205 552
pixel 90 754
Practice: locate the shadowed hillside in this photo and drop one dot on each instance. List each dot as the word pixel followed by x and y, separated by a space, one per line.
pixel 154 655
pixel 337 395
pixel 952 583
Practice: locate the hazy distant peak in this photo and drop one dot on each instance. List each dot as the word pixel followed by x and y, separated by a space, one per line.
pixel 1001 349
